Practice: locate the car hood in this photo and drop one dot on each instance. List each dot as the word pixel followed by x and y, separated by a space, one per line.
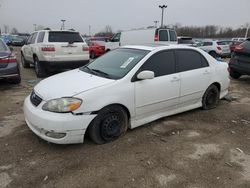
pixel 68 84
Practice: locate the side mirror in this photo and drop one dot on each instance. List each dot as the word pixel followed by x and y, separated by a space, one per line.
pixel 145 75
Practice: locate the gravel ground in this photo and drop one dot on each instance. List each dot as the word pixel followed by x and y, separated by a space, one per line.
pixel 196 149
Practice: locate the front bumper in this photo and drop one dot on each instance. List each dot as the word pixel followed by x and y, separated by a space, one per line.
pixel 41 122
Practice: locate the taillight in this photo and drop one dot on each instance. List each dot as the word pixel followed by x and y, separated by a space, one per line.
pixel 48 48
pixel 218 47
pixel 156 38
pixel 10 59
pixel 85 48
pixel 239 48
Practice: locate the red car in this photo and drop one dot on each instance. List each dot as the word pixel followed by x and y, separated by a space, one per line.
pixel 234 44
pixel 96 49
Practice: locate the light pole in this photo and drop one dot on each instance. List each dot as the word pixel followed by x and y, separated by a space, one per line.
pixel 247 31
pixel 162 7
pixel 156 22
pixel 63 25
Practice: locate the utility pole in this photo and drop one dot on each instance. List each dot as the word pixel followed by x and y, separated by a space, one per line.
pixel 63 24
pixel 156 22
pixel 162 7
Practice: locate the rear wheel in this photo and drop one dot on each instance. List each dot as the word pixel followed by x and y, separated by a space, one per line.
pixel 211 98
pixel 25 64
pixel 110 124
pixel 39 69
pixel 234 74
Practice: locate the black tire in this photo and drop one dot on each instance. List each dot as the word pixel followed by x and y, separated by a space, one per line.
pixel 234 74
pixel 25 64
pixel 213 54
pixel 211 98
pixel 39 69
pixel 92 55
pixel 110 123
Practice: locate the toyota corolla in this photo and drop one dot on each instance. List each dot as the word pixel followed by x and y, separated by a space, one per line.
pixel 125 88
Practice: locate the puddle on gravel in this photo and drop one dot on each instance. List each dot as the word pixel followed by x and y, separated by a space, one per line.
pixel 243 160
pixel 203 149
pixel 9 123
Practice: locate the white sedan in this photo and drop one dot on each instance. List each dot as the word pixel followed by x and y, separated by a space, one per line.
pixel 125 88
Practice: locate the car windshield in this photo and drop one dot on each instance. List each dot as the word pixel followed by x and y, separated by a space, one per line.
pixel 115 64
pixel 3 47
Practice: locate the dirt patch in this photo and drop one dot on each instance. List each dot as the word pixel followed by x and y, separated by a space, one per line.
pixel 203 149
pixel 5 179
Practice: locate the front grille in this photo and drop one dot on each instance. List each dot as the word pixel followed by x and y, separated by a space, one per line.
pixel 35 99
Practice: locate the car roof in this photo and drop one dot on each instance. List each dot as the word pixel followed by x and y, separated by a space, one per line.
pixel 152 47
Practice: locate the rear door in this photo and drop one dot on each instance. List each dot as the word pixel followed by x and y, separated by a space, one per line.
pixel 195 75
pixel 68 46
pixel 27 52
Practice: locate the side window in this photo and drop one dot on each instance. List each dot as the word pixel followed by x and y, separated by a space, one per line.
pixel 116 38
pixel 163 35
pixel 29 39
pixel 172 35
pixel 33 38
pixel 190 60
pixel 207 43
pixel 162 63
pixel 40 37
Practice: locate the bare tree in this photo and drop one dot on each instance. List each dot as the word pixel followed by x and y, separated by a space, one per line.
pixel 6 29
pixel 14 31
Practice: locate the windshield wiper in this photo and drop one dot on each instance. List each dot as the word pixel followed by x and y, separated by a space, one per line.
pixel 102 73
pixel 89 70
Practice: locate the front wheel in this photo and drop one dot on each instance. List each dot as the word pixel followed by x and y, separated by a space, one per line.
pixel 211 98
pixel 39 69
pixel 110 123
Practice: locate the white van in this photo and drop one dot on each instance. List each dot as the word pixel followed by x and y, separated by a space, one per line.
pixel 142 36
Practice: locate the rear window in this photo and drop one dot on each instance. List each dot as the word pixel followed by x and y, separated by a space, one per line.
pixel 163 35
pixel 185 41
pixel 207 44
pixel 222 43
pixel 70 37
pixel 172 35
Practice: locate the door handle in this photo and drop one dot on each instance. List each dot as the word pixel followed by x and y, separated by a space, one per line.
pixel 206 72
pixel 175 79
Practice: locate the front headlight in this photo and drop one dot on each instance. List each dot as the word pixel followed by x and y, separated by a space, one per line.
pixel 62 105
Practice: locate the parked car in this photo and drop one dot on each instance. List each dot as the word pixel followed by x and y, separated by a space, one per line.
pixel 5 39
pixel 142 36
pixel 54 49
pixel 216 48
pixel 9 67
pixel 234 45
pixel 240 61
pixel 125 88
pixel 241 39
pixel 96 49
pixel 186 41
pixel 17 41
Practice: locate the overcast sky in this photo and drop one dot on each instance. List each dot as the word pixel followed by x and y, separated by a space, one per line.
pixel 120 14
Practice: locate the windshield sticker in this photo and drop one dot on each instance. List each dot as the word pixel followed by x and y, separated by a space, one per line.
pixel 126 63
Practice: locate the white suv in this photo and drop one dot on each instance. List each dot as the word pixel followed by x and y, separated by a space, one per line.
pixel 216 48
pixel 50 49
